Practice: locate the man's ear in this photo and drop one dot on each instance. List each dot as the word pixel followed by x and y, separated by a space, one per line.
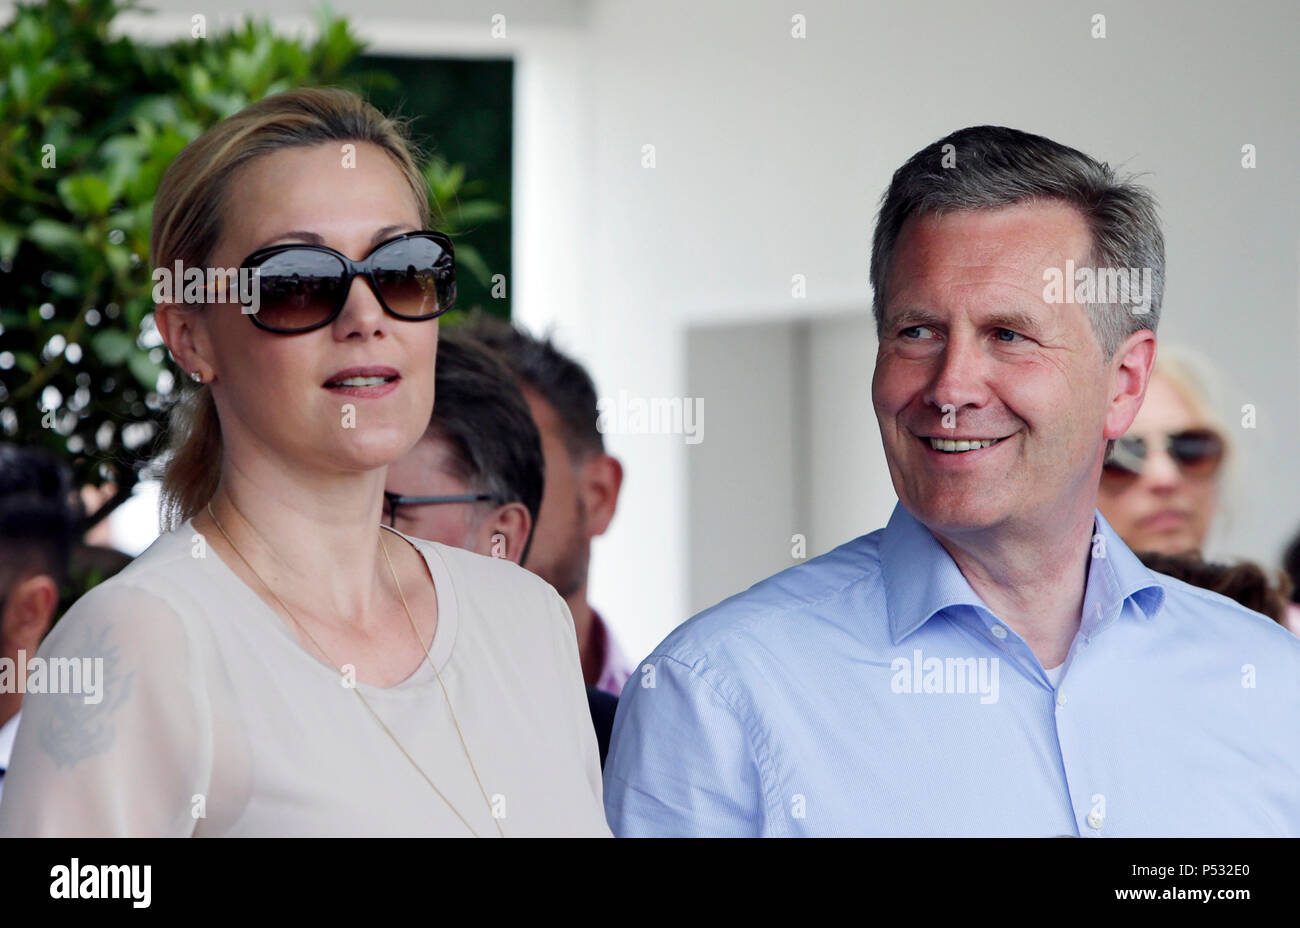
pixel 186 337
pixel 504 533
pixel 1130 373
pixel 601 478
pixel 29 611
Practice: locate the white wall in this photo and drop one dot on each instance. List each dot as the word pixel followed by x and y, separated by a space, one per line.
pixel 771 154
pixel 746 490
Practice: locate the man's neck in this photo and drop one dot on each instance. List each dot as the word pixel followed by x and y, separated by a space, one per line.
pixel 1033 580
pixel 590 649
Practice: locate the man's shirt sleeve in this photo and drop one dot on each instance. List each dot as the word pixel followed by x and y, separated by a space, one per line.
pixel 681 762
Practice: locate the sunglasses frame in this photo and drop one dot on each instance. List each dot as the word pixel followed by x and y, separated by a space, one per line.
pixel 351 270
pixel 1120 454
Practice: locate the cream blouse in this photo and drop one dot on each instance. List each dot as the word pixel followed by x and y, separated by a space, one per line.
pixel 212 720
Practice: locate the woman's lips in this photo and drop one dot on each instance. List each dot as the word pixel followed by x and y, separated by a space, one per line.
pixel 374 392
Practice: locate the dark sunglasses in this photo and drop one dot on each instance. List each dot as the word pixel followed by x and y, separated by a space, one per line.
pixel 393 500
pixel 304 287
pixel 1197 452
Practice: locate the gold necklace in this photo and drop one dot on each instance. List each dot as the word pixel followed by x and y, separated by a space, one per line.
pixel 357 689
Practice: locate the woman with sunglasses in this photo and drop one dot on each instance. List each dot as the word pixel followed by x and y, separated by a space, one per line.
pixel 1160 485
pixel 278 662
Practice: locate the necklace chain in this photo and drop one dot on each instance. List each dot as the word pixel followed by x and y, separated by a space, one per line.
pixel 356 689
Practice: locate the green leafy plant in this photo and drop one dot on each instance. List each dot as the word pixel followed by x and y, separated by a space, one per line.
pixel 462 207
pixel 89 122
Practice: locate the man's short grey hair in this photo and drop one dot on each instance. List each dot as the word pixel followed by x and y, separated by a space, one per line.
pixel 992 167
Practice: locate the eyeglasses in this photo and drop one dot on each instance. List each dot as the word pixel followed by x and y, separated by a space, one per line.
pixel 1197 452
pixel 393 500
pixel 304 287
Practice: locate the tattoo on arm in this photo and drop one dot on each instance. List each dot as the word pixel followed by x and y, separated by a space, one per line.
pixel 75 728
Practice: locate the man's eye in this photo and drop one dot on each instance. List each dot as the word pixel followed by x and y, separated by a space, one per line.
pixel 914 332
pixel 1008 332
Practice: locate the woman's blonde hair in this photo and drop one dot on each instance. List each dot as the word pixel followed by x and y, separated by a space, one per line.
pixel 1194 379
pixel 187 224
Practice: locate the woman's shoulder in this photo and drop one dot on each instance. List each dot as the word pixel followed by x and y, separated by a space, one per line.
pixel 160 586
pixel 172 554
pixel 483 576
pixel 493 588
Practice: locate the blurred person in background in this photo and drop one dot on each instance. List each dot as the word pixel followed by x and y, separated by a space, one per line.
pixel 582 485
pixel 1245 583
pixel 1291 564
pixel 475 479
pixel 40 516
pixel 1161 482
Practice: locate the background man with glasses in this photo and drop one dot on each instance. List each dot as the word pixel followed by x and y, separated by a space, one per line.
pixel 995 661
pixel 582 484
pixel 475 479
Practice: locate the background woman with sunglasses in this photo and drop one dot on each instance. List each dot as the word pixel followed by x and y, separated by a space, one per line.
pixel 1160 486
pixel 277 663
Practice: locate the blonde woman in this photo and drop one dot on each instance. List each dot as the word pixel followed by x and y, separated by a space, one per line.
pixel 278 662
pixel 1161 483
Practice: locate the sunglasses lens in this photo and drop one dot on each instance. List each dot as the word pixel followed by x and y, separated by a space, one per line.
pixel 299 289
pixel 1197 452
pixel 416 277
pixel 1126 458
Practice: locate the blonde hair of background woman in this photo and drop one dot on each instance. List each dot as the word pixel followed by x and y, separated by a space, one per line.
pixel 1197 383
pixel 188 216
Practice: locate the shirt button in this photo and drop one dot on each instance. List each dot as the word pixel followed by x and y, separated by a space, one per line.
pixel 1060 697
pixel 999 632
pixel 1094 820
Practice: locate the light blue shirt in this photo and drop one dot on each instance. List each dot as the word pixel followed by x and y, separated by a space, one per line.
pixel 870 691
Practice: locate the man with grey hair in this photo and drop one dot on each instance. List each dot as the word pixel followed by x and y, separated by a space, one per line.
pixel 994 661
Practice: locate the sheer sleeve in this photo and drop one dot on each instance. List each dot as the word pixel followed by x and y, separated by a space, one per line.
pixel 127 754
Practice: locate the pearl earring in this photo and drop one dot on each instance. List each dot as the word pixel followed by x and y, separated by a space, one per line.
pixel 196 376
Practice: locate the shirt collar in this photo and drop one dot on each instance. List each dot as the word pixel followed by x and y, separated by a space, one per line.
pixel 1116 575
pixel 921 579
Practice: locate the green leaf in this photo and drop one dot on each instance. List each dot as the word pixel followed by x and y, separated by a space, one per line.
pixel 123 154
pixel 469 259
pixel 18 83
pixel 54 236
pixel 63 284
pixel 144 369
pixel 117 258
pixel 476 211
pixel 10 238
pixel 113 346
pixel 200 82
pixel 86 195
